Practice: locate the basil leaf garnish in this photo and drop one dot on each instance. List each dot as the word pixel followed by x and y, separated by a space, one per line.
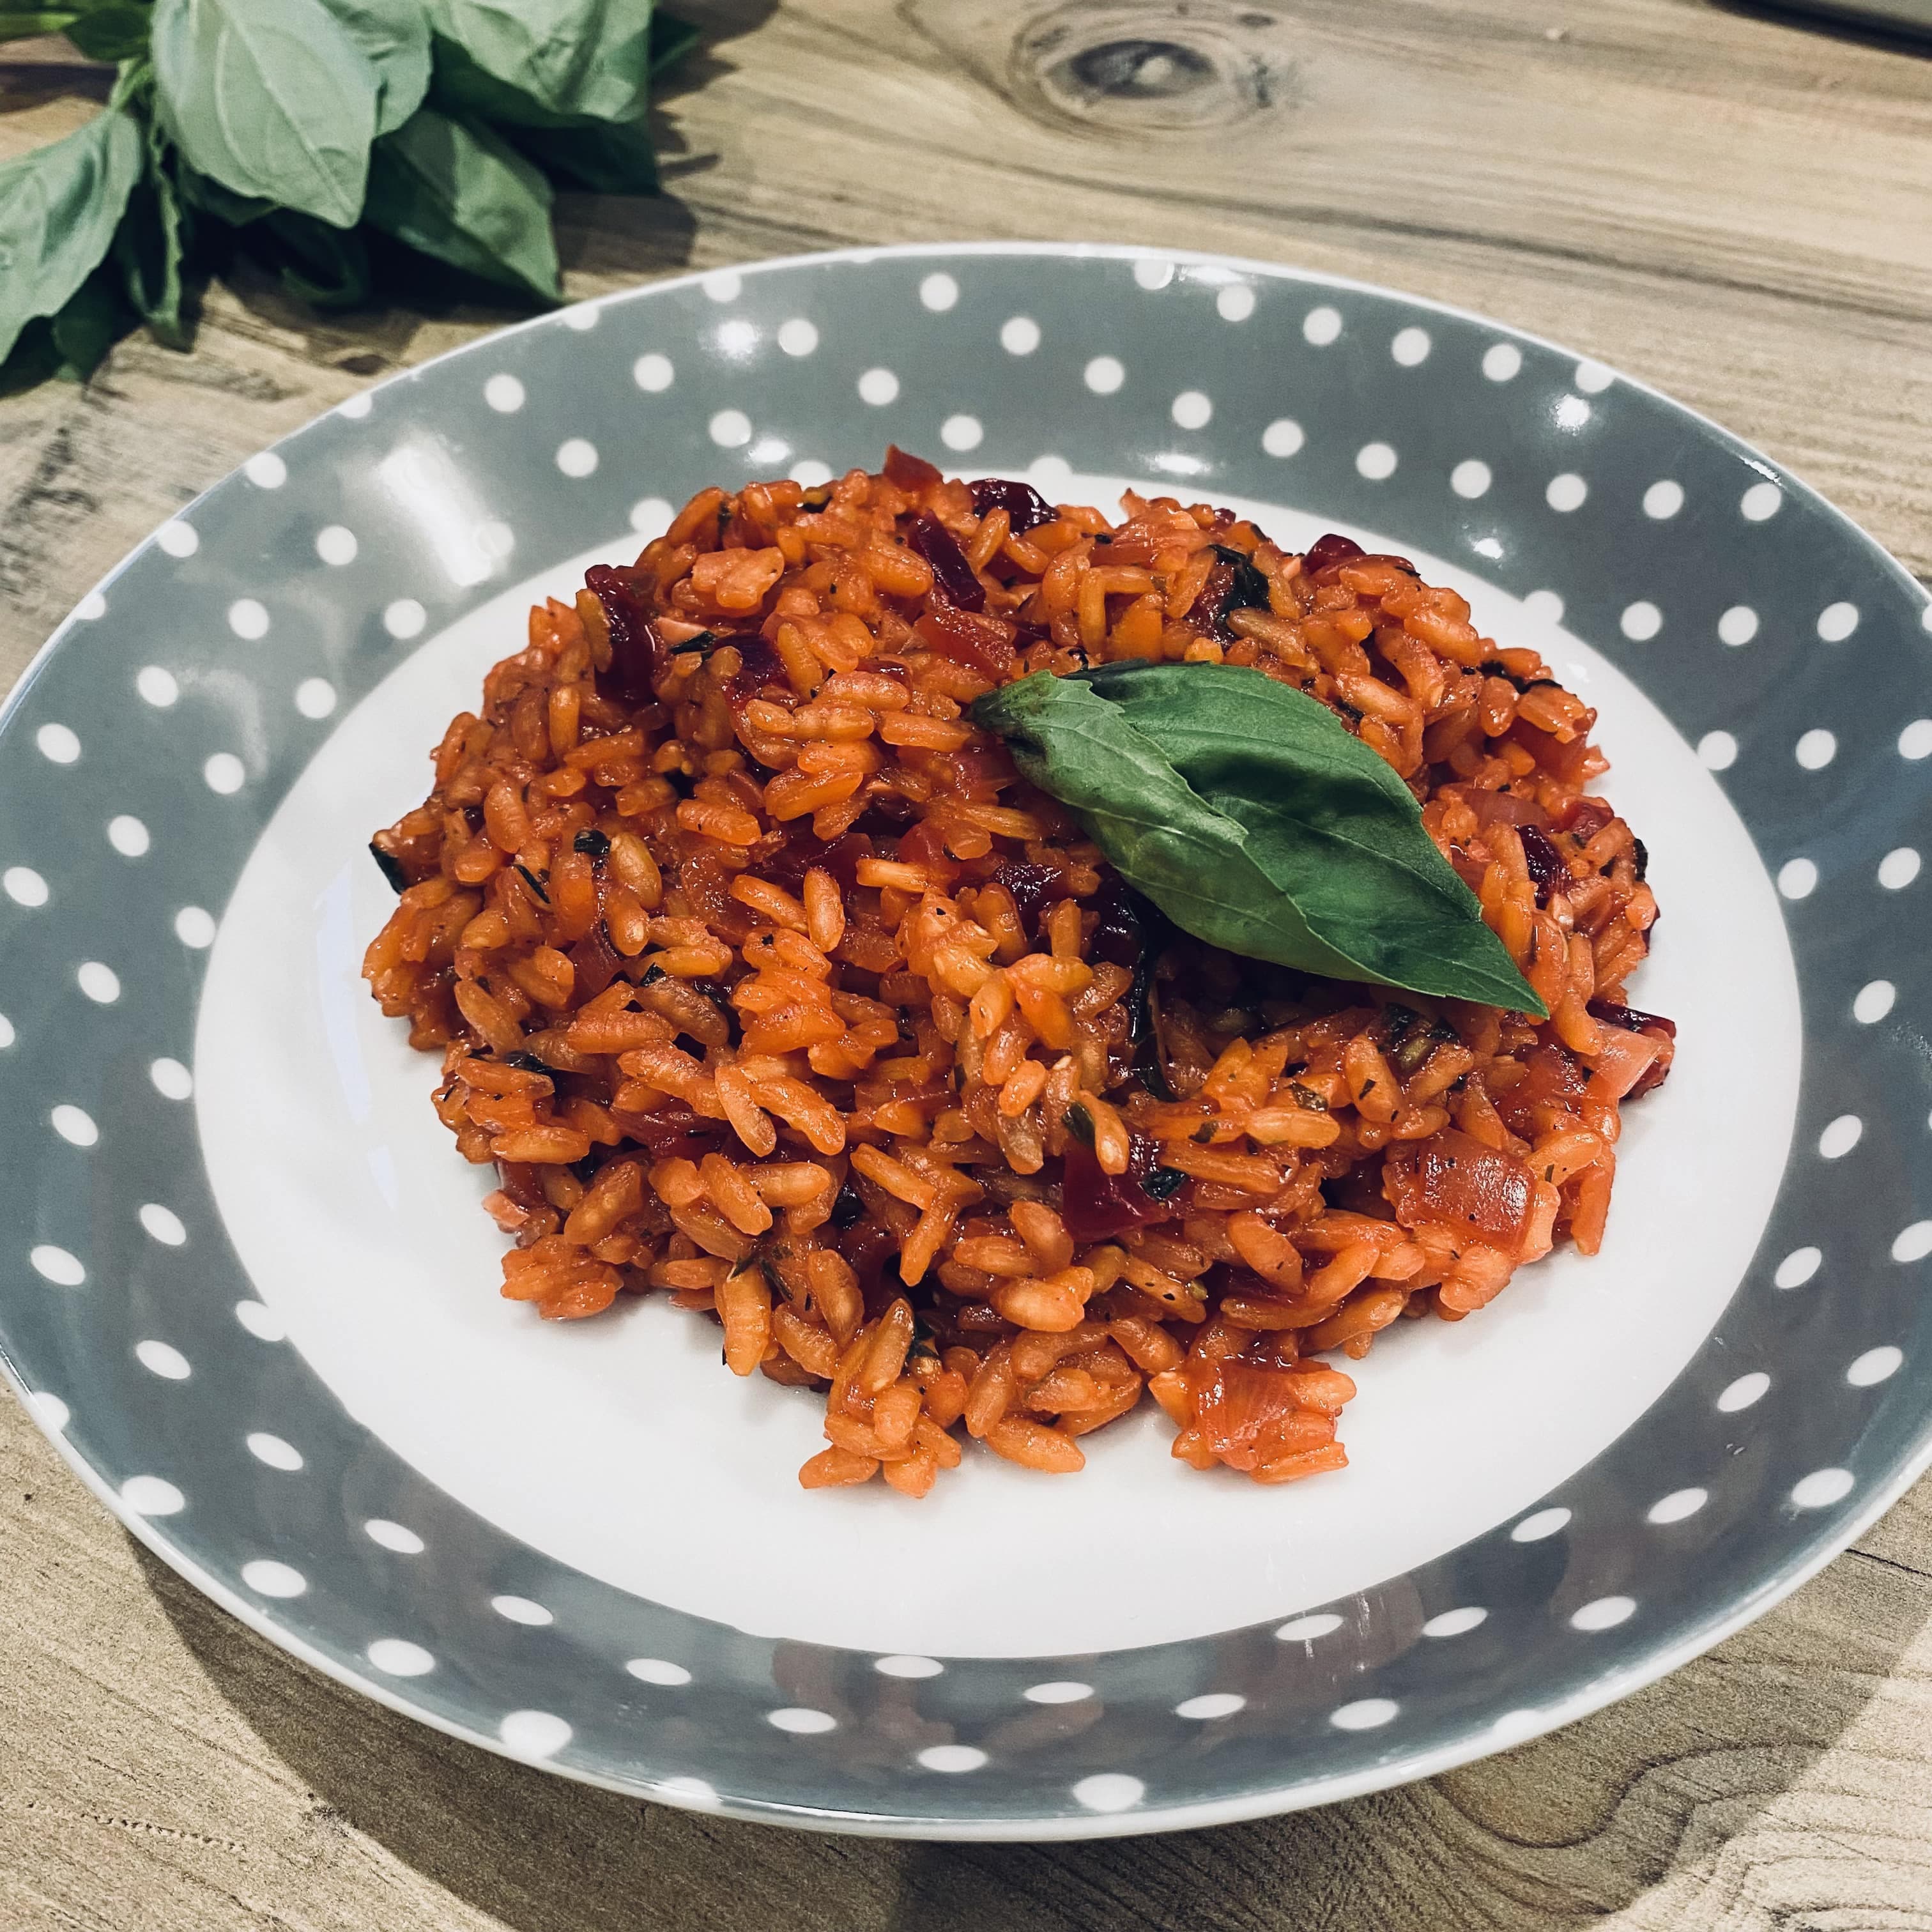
pixel 1258 822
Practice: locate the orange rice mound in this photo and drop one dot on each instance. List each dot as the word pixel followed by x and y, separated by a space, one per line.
pixel 764 983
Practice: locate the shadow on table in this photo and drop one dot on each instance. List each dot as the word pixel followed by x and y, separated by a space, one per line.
pixel 1869 22
pixel 1559 1832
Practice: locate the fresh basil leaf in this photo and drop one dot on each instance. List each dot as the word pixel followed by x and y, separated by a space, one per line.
pixel 272 98
pixel 671 39
pixel 1190 859
pixel 202 192
pixel 570 56
pixel 328 267
pixel 603 157
pixel 59 206
pixel 1327 819
pixel 394 37
pixel 93 318
pixel 31 26
pixel 111 33
pixel 151 243
pixel 462 194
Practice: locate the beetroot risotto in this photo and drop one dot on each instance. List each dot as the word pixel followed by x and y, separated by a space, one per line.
pixel 765 983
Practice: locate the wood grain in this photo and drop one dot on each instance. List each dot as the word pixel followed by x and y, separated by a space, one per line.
pixel 1729 205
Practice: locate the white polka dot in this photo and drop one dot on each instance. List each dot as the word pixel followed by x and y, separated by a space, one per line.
pixel 1213 1704
pixel 1470 478
pixel 1641 621
pixel 1191 410
pixel 1663 500
pixel 1109 1791
pixel 404 618
pixel 101 984
pixel 1836 622
pixel 1738 624
pixel 1798 878
pixel 495 540
pixel 1924 617
pixel 267 1578
pixel 1760 501
pixel 6 1032
pixel 1566 492
pixel 877 387
pixel 581 317
pixel 1321 325
pixel 152 1496
pixel 1456 1623
pixel 1823 1488
pixel 538 1734
pixel 393 1536
pixel 938 291
pixel 961 432
pixel 1898 869
pixel 1235 302
pixel 1676 1506
pixel 1544 1522
pixel 1593 377
pixel 173 1080
pixel 177 539
pixel 1050 475
pixel 1410 346
pixel 653 372
pixel 800 1722
pixel 1502 361
pixel 58 744
pixel 1513 1726
pixel 1798 1267
pixel 225 773
pixel 1282 437
pixel 1571 412
pixel 267 471
pixel 503 393
pixel 75 1126
pixel 1914 1244
pixel 92 606
pixel 398 1658
pixel 1745 1390
pixel 57 1265
pixel 52 1412
pixel 273 1451
pixel 1605 1613
pixel 248 619
pixel 1307 1629
pixel 737 338
pixel 1544 605
pixel 1376 461
pixel 24 885
pixel 797 337
pixel 261 1321
pixel 1019 335
pixel 1718 750
pixel 163 1225
pixel 655 1670
pixel 158 1359
pixel 1873 1001
pixel 355 407
pixel 1816 749
pixel 1057 1692
pixel 951 1757
pixel 521 1610
pixel 812 472
pixel 690 1790
pixel 1104 374
pixel 1916 740
pixel 1875 1365
pixel 336 545
pixel 157 686
pixel 908 1667
pixel 576 457
pixel 127 835
pixel 1154 273
pixel 1365 1714
pixel 724 285
pixel 315 697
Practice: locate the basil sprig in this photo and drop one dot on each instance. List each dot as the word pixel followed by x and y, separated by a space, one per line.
pixel 1257 821
pixel 332 140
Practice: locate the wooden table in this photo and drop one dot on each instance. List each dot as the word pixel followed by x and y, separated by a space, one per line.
pixel 1732 206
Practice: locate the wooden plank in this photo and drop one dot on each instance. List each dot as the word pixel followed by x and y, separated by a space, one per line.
pixel 1730 205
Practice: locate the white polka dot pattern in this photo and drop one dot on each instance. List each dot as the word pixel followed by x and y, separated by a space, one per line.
pixel 158 1358
pixel 952 1758
pixel 178 539
pixel 798 337
pixel 194 927
pixel 1875 1366
pixel 24 887
pixel 1366 1713
pixel 225 773
pixel 801 1722
pixel 504 394
pixel 1798 878
pixel 1104 375
pixel 1873 1001
pixel 267 1578
pixel 171 1080
pixel 152 1496
pixel 158 687
pixel 75 1126
pixel 101 984
pixel 961 433
pixel 163 1225
pixel 877 387
pixel 652 373
pixel 261 1321
pixel 521 1610
pixel 1823 1488
pixel 1152 273
pixel 655 1670
pixel 1411 347
pixel 1109 1791
pixel 1376 461
pixel 1502 361
pixel 336 545
pixel 1307 1629
pixel 58 744
pixel 1213 1704
pixel 1019 335
pixel 1566 492
pixel 127 835
pixel 396 1657
pixel 1761 502
pixel 1641 621
pixel 1593 378
pixel 578 458
pixel 938 291
pixel 1718 750
pixel 1744 1392
pixel 1061 1692
pixel 1234 303
pixel 1915 742
pixel 1191 410
pixel 1798 1267
pixel 1913 1243
pixel 1898 869
pixel 1321 326
pixel 274 1452
pixel 907 1666
pixel 1282 437
pixel 535 1734
pixel 1663 500
pixel 393 1536
pixel 1456 1623
pixel 1678 1506
pixel 1544 1522
pixel 267 471
pixel 56 1265
pixel 315 697
pixel 1605 1613
pixel 1836 622
pixel 1738 626
pixel 1816 749
pixel 1470 478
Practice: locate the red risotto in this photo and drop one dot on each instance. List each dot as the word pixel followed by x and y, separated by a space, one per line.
pixel 764 983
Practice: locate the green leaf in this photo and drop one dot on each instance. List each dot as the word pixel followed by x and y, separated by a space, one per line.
pixel 326 267
pixel 201 191
pixel 462 194
pixel 59 206
pixel 111 33
pixel 467 92
pixel 671 39
pixel 571 56
pixel 150 244
pixel 93 318
pixel 272 98
pixel 31 26
pixel 394 37
pixel 1301 845
pixel 605 156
